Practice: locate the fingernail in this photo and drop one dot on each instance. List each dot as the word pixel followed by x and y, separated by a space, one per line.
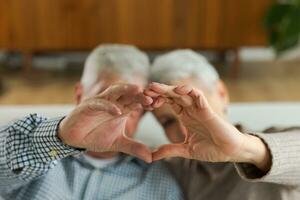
pixel 149 100
pixel 118 111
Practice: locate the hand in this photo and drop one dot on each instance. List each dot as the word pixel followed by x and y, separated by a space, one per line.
pixel 208 137
pixel 98 123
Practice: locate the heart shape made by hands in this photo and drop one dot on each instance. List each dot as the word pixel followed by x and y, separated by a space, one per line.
pixel 99 123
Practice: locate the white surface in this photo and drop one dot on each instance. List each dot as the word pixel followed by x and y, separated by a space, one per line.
pixel 255 116
pixel 256 54
pixel 258 116
pixel 267 54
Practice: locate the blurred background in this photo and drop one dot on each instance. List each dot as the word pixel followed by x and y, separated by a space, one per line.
pixel 253 44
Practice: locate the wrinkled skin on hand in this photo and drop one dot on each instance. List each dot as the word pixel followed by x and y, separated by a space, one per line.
pixel 98 124
pixel 208 137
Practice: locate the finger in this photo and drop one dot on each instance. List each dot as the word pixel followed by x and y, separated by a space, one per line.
pixel 147 100
pixel 143 99
pixel 115 92
pixel 183 89
pixel 163 89
pixel 97 105
pixel 134 148
pixel 195 97
pixel 169 91
pixel 139 98
pixel 151 93
pixel 199 99
pixel 170 150
pixel 158 102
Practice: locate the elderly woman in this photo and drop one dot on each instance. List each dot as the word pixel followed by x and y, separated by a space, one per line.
pixel 220 161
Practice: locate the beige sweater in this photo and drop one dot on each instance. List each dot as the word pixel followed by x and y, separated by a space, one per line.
pixel 215 181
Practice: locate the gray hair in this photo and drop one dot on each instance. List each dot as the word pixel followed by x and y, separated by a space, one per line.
pixel 181 64
pixel 124 60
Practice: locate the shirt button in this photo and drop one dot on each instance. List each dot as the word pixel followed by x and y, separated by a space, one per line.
pixel 53 153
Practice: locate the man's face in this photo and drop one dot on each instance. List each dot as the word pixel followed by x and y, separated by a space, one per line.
pixel 174 130
pixel 107 80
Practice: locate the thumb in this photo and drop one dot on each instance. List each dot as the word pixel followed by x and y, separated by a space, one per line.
pixel 134 148
pixel 170 150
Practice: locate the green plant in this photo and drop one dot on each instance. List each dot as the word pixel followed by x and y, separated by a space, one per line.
pixel 282 23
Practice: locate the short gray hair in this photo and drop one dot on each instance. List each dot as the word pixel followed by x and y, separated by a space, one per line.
pixel 181 64
pixel 124 60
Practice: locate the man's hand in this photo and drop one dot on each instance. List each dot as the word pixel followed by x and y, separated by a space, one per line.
pixel 208 137
pixel 98 124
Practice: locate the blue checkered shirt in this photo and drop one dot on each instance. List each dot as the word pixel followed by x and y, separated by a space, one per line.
pixel 35 164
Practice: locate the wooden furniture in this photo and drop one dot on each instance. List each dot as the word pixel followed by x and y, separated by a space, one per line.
pixel 58 25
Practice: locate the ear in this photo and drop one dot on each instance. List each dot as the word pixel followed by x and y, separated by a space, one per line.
pixel 78 92
pixel 223 92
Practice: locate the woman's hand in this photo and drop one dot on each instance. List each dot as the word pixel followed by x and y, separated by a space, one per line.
pixel 208 136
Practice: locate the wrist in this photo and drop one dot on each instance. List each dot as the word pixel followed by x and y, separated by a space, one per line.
pixel 53 148
pixel 60 130
pixel 255 151
pixel 61 135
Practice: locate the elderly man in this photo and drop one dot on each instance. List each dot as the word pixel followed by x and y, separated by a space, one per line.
pixel 217 161
pixel 40 158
